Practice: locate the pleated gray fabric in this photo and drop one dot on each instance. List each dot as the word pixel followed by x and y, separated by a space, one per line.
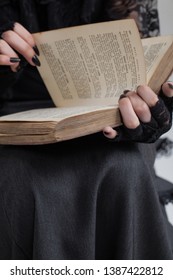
pixel 82 199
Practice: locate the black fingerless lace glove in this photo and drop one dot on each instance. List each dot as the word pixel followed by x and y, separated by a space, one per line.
pixel 161 122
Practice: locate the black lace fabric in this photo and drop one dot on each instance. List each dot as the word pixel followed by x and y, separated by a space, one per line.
pixel 149 25
pixel 144 12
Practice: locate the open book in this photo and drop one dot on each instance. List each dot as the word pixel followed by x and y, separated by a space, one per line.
pixel 85 69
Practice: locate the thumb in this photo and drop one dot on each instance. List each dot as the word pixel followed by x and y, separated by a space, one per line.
pixel 167 89
pixel 109 132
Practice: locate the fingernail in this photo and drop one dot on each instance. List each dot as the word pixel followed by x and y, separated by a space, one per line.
pixel 36 60
pixel 14 59
pixel 106 132
pixel 170 85
pixel 126 91
pixel 122 96
pixel 137 87
pixel 35 48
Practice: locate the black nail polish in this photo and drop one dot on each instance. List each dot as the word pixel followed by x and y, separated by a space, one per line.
pixel 14 59
pixel 36 60
pixel 170 86
pixel 122 96
pixel 35 48
pixel 126 91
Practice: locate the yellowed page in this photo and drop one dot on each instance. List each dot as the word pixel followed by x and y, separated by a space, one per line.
pixel 51 114
pixel 91 64
pixel 154 49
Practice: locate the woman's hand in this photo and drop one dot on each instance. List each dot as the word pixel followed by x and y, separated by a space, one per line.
pixel 145 115
pixel 16 42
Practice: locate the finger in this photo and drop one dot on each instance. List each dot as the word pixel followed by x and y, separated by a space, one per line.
pixel 148 95
pixel 21 46
pixel 9 61
pixel 8 56
pixel 168 89
pixel 109 132
pixel 140 107
pixel 24 34
pixel 128 114
pixel 157 106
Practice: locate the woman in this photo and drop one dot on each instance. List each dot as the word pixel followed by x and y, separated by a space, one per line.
pixel 89 198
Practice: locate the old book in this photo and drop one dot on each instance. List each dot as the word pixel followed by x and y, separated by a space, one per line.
pixel 85 70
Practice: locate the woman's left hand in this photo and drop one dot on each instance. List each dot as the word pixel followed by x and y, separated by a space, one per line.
pixel 145 115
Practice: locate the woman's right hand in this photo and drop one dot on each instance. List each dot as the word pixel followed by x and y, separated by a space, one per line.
pixel 18 42
pixel 145 115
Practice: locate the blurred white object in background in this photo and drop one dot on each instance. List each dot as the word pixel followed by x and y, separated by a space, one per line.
pixel 164 165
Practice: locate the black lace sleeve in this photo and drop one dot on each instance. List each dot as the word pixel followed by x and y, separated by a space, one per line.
pixel 148 18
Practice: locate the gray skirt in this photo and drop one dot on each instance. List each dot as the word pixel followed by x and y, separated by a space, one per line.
pixel 83 199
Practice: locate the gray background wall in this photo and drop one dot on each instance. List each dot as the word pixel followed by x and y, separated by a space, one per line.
pixel 164 165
